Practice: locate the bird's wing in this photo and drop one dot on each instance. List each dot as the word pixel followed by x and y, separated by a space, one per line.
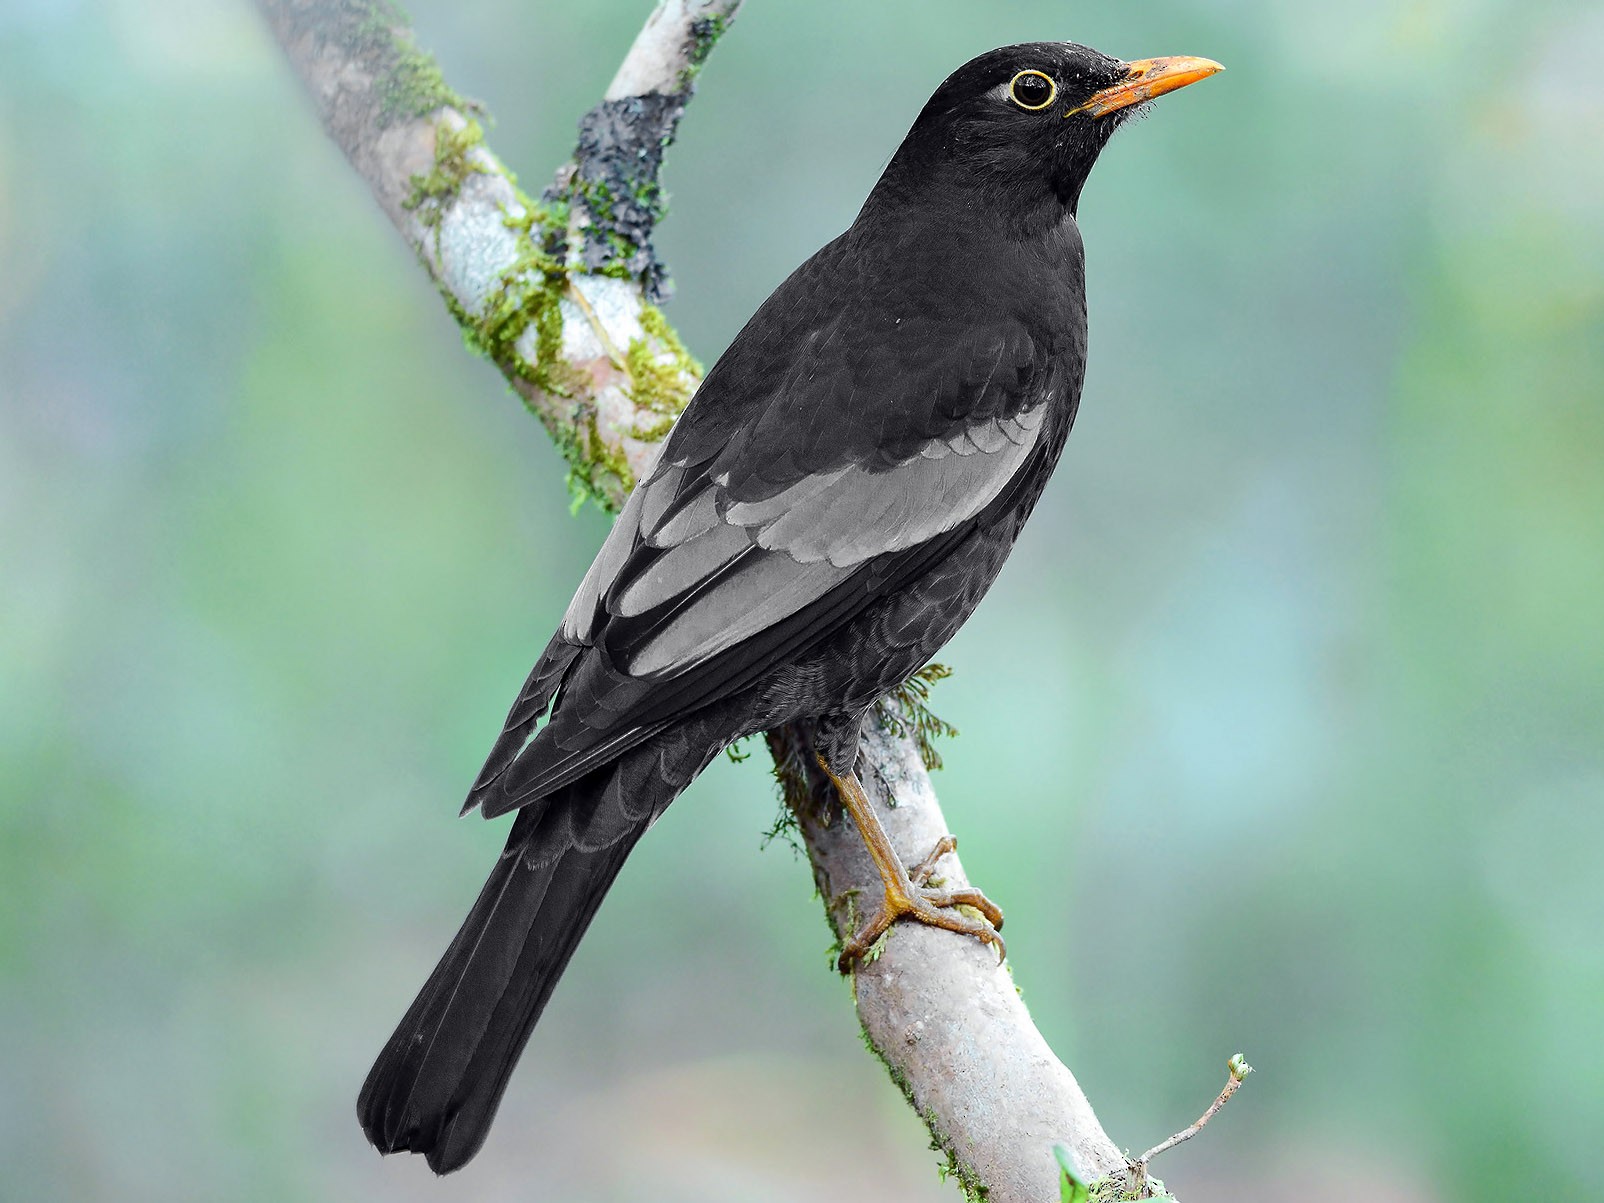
pixel 796 490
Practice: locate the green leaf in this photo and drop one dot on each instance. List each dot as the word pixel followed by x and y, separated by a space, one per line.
pixel 1072 1187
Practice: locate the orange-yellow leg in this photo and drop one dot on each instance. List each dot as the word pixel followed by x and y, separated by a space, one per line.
pixel 907 893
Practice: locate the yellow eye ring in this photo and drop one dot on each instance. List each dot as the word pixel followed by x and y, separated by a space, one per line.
pixel 1032 87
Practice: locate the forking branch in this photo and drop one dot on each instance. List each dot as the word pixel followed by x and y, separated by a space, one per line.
pixel 560 292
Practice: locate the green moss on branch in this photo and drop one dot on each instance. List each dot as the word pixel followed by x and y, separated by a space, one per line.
pixel 662 374
pixel 407 84
pixel 412 85
pixel 905 711
pixel 435 192
pixel 373 34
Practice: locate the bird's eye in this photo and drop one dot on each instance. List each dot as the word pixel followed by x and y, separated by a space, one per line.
pixel 1032 90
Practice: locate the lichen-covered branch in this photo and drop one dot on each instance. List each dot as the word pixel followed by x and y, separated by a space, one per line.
pixel 560 292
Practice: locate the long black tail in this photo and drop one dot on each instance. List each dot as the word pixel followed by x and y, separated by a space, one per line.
pixel 437 1084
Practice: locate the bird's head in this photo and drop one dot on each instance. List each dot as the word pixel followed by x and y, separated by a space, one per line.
pixel 1024 124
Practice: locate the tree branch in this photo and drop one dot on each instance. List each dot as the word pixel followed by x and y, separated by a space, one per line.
pixel 938 1010
pixel 560 293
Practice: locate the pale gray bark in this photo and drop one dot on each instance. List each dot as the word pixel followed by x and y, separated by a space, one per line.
pixel 937 1007
pixel 940 1010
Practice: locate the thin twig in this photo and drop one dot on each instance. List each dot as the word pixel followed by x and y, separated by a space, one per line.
pixel 1238 1069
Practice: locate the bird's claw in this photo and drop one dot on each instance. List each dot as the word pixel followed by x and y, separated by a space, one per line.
pixel 926 904
pixel 921 873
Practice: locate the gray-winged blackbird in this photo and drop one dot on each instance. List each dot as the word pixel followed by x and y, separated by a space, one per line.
pixel 830 508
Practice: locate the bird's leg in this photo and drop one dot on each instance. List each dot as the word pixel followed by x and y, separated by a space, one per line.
pixel 907 893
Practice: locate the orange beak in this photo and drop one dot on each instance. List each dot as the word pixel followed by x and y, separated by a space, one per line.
pixel 1145 79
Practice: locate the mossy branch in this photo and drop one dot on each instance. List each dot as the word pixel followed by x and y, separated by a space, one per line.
pixel 558 292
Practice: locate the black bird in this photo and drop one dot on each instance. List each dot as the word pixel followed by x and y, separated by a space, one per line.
pixel 832 505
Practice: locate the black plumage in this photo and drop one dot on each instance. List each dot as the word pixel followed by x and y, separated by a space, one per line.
pixel 833 504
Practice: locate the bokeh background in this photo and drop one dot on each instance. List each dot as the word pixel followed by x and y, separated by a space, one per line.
pixel 1281 733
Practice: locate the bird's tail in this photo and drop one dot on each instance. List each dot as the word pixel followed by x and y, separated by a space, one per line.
pixel 436 1086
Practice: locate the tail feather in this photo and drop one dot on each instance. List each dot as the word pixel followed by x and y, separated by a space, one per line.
pixel 436 1086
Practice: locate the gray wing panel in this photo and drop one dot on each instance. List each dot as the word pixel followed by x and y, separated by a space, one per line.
pixel 763 591
pixel 860 513
pixel 688 573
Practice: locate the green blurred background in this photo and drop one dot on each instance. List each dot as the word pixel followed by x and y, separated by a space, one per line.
pixel 1281 733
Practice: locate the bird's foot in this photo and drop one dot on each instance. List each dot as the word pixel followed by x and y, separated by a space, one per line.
pixel 968 911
